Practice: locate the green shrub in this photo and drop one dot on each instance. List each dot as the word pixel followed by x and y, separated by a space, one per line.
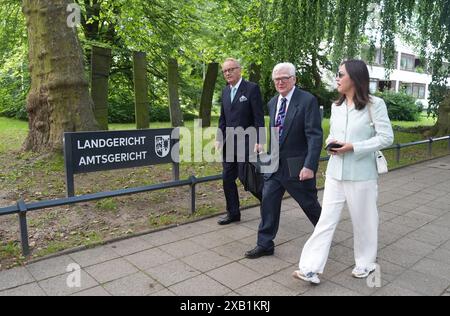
pixel 326 99
pixel 401 107
pixel 13 97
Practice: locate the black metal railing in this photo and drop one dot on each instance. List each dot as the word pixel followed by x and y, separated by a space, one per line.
pixel 22 208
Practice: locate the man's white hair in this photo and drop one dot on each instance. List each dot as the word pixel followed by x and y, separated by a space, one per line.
pixel 288 67
pixel 237 62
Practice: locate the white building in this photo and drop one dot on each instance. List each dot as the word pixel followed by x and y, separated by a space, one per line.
pixel 409 74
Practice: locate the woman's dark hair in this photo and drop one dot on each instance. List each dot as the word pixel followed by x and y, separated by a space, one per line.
pixel 359 74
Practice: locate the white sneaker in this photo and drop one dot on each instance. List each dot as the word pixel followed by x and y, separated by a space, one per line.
pixel 361 273
pixel 310 277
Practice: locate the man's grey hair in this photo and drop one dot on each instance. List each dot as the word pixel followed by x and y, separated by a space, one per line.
pixel 232 60
pixel 288 67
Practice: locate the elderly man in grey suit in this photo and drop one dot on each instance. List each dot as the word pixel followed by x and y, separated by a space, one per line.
pixel 295 114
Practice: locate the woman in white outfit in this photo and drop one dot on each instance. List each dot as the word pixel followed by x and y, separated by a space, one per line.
pixel 360 124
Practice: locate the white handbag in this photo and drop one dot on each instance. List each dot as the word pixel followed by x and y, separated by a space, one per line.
pixel 382 165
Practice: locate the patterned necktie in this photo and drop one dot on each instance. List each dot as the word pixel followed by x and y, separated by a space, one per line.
pixel 233 94
pixel 281 117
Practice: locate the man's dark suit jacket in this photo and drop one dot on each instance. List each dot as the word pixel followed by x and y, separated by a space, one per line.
pixel 245 111
pixel 302 136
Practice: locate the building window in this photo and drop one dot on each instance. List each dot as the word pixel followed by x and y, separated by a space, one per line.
pixel 408 62
pixel 373 86
pixel 416 90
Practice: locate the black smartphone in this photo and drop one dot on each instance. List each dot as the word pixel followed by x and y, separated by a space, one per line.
pixel 332 146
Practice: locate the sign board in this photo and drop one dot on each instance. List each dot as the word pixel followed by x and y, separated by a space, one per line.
pixel 99 151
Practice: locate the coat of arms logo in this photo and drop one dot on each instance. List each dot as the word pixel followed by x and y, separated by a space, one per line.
pixel 162 146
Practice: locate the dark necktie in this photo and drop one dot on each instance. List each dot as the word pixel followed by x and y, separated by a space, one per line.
pixel 281 117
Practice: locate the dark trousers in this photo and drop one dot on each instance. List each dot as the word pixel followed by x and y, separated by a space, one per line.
pixel 231 171
pixel 305 193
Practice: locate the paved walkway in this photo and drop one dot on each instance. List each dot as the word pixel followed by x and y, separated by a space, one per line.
pixel 204 259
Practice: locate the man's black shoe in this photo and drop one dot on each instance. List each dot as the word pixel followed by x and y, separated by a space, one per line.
pixel 258 252
pixel 228 220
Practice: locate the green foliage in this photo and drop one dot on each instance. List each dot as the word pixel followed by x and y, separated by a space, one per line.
pixel 325 98
pixel 401 107
pixel 312 34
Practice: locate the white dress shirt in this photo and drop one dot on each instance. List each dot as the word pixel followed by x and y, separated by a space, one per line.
pixel 288 98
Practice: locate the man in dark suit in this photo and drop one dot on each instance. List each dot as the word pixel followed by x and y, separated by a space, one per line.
pixel 296 121
pixel 242 107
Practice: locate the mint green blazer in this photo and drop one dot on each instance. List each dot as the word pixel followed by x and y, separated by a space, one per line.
pixel 349 125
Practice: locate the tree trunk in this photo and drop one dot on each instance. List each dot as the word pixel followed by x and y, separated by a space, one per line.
pixel 176 116
pixel 255 73
pixel 59 99
pixel 442 127
pixel 101 66
pixel 141 90
pixel 208 94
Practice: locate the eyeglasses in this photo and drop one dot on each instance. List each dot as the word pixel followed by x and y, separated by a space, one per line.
pixel 340 75
pixel 282 79
pixel 230 70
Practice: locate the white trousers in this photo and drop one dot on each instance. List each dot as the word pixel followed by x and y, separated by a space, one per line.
pixel 361 198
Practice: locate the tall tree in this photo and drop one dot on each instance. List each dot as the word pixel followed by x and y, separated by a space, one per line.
pixel 208 94
pixel 59 99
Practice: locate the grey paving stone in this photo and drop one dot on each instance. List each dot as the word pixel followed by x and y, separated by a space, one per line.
pixel 334 267
pixel 96 291
pixel 290 252
pixel 94 256
pixel 430 210
pixel 424 235
pixel 443 221
pixel 201 285
pixel 386 238
pixel 137 284
pixel 161 238
pixel 50 268
pixel 207 260
pixel 441 254
pixel 237 232
pixel 234 275
pixel 432 267
pixel 340 236
pixel 191 230
pixel 446 245
pixel 111 270
pixel 390 271
pixel 235 250
pixel 284 277
pixel 131 246
pixel 328 288
pixel 164 292
pixel 414 246
pixel 182 248
pixel 172 273
pixel 265 287
pixel 342 254
pixel 265 265
pixel 149 258
pixel 361 286
pixel 211 240
pixel 399 256
pixel 399 229
pixel 57 286
pixel 31 289
pixel 393 290
pixel 424 284
pixel 413 219
pixel 15 277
